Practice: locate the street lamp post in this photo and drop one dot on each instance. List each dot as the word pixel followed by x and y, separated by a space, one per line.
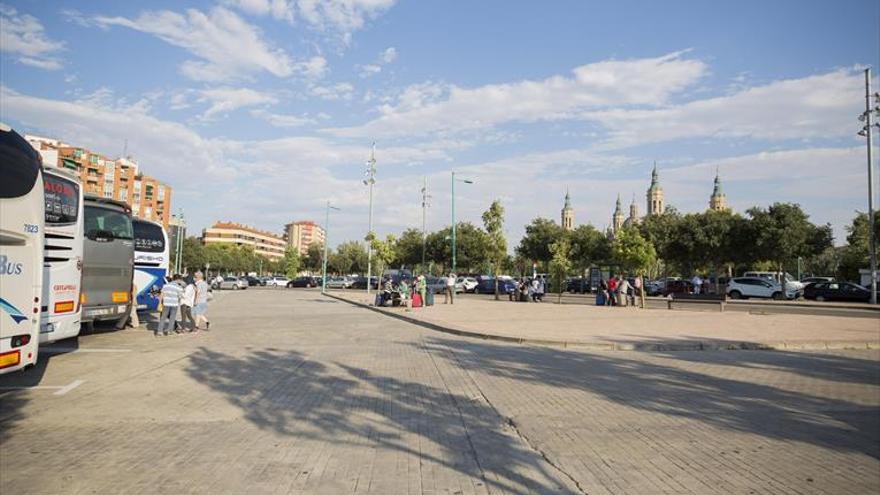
pixel 425 204
pixel 181 224
pixel 466 181
pixel 326 242
pixel 369 181
pixel 867 131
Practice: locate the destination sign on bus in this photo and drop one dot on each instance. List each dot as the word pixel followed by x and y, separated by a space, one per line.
pixel 62 197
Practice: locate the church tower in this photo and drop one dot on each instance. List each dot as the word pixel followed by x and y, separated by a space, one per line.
pixel 718 201
pixel 617 219
pixel 567 214
pixel 655 194
pixel 633 219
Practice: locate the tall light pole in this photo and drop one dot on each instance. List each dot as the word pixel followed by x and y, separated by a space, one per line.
pixel 426 203
pixel 867 131
pixel 466 181
pixel 369 181
pixel 178 248
pixel 326 242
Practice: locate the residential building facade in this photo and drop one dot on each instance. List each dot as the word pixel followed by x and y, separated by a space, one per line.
pixel 302 234
pixel 264 243
pixel 117 179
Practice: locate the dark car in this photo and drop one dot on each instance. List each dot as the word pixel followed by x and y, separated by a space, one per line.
pixel 304 282
pixel 487 286
pixel 836 291
pixel 361 283
pixel 678 287
pixel 254 281
pixel 577 285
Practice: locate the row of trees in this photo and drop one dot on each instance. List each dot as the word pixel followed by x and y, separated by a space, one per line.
pixel 780 236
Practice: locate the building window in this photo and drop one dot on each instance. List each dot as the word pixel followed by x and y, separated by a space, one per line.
pixel 93 158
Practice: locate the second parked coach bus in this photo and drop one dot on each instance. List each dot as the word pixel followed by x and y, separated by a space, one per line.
pixel 62 260
pixel 21 251
pixel 150 262
pixel 108 255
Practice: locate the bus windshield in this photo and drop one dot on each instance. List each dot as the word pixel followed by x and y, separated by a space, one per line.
pixel 148 237
pixel 62 200
pixel 104 222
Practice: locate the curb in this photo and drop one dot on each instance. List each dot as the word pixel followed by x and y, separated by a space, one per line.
pixel 696 345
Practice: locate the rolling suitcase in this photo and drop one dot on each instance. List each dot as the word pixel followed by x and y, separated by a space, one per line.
pixel 600 299
pixel 416 300
pixel 429 298
pixel 378 301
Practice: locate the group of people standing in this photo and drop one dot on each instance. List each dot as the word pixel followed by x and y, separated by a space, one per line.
pixel 191 296
pixel 529 290
pixel 618 291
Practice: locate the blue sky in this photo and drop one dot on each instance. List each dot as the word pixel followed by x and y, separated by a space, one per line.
pixel 260 111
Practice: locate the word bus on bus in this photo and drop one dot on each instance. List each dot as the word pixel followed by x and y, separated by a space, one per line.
pixel 151 255
pixel 21 251
pixel 62 260
pixel 108 256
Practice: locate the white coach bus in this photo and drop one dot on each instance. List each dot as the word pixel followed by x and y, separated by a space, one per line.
pixel 21 250
pixel 150 262
pixel 63 257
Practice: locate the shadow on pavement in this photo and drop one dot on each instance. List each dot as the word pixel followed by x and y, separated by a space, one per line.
pixel 637 380
pixel 345 405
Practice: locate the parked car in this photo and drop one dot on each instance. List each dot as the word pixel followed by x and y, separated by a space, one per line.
pixel 791 285
pixel 836 291
pixel 673 287
pixel 304 282
pixel 233 283
pixel 339 283
pixel 361 283
pixel 487 286
pixel 577 285
pixel 812 280
pixel 277 281
pixel 746 287
pixel 465 284
pixel 253 281
pixel 653 288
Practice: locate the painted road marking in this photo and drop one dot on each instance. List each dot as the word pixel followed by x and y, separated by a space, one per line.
pixel 59 389
pixel 73 350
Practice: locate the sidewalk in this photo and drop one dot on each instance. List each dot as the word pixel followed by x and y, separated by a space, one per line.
pixel 629 328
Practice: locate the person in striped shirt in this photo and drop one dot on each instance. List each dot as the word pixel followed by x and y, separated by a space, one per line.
pixel 170 295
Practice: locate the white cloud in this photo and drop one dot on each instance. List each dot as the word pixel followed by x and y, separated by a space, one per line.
pixel 23 36
pixel 225 100
pixel 812 107
pixel 369 70
pixel 338 91
pixel 345 16
pixel 281 120
pixel 648 81
pixel 227 47
pixel 282 10
pixel 389 55
pixel 313 68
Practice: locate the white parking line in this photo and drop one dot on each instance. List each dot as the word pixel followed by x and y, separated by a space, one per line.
pixel 59 389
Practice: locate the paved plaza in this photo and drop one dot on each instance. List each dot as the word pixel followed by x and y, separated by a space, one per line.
pixel 291 392
pixel 628 327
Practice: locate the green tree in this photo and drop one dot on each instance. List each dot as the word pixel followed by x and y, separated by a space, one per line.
pixel 291 262
pixel 496 249
pixel 471 244
pixel 384 252
pixel 560 265
pixel 409 248
pixel 349 257
pixel 539 236
pixel 634 253
pixel 855 255
pixel 588 247
pixel 783 233
pixel 193 254
pixel 313 258
pixel 659 231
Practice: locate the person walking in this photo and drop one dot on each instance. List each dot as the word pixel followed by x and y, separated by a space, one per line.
pixel 187 301
pixel 542 287
pixel 202 296
pixel 637 284
pixel 603 293
pixel 422 288
pixel 404 294
pixel 171 294
pixel 612 290
pixel 449 295
pixel 533 290
pixel 623 289
pixel 698 283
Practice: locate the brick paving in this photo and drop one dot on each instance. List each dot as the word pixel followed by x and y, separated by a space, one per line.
pixel 625 327
pixel 294 393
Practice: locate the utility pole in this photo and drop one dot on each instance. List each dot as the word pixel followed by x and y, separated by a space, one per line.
pixel 466 181
pixel 369 181
pixel 867 131
pixel 178 248
pixel 426 198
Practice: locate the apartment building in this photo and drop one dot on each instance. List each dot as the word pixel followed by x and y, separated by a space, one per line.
pixel 264 243
pixel 302 234
pixel 117 179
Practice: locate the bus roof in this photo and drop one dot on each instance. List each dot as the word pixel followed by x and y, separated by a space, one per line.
pixel 142 220
pixel 67 174
pixel 108 201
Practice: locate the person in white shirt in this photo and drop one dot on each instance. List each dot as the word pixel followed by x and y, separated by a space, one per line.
pixel 187 301
pixel 449 295
pixel 698 282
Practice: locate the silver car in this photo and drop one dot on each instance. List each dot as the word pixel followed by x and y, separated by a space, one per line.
pixel 234 283
pixel 339 283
